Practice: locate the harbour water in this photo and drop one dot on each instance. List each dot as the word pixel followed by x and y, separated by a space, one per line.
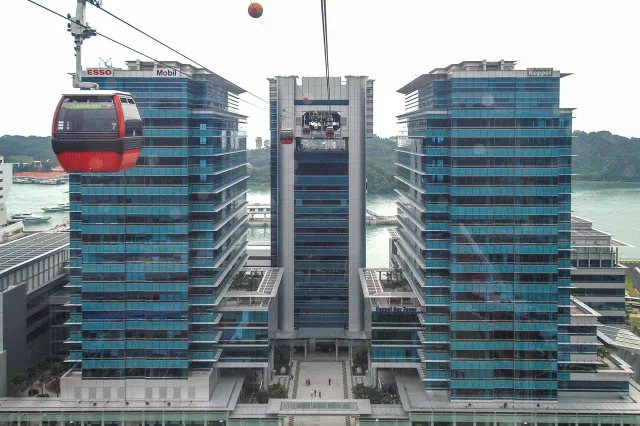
pixel 614 207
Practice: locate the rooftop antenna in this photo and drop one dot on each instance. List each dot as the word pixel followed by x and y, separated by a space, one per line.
pixel 106 63
pixel 80 30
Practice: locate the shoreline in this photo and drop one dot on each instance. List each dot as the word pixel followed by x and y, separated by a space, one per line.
pixel 608 182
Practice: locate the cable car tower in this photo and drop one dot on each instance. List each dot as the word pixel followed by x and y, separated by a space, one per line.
pixel 80 30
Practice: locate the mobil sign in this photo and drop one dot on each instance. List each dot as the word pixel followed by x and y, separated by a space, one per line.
pixel 166 72
pixel 100 72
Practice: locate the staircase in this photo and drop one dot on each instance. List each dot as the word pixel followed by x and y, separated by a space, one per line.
pixel 345 383
pixel 296 380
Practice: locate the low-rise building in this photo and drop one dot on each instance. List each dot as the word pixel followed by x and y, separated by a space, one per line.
pixel 597 279
pixel 32 269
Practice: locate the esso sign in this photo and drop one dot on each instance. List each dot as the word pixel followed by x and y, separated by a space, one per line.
pixel 102 72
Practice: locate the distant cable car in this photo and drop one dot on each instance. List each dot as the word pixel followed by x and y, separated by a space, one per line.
pixel 286 136
pixel 255 10
pixel 97 131
pixel 329 131
pixel 306 130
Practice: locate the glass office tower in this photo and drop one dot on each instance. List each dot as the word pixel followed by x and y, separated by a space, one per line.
pixel 317 201
pixel 484 179
pixel 154 248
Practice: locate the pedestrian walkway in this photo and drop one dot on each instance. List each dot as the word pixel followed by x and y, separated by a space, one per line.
pixel 319 373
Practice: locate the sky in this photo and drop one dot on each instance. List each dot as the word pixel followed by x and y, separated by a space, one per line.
pixel 391 42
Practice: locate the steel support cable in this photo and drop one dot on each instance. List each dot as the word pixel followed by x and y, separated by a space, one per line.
pixel 323 8
pixel 127 47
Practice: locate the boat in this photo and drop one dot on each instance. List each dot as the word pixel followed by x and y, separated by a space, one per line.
pixel 30 217
pixel 60 207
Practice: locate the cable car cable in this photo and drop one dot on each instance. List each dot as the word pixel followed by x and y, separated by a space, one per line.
pixel 128 47
pixel 167 46
pixel 260 19
pixel 323 8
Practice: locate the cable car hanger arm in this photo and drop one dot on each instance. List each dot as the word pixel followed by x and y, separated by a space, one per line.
pixel 80 30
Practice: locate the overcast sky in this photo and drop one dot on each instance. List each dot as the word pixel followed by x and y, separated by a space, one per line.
pixel 390 41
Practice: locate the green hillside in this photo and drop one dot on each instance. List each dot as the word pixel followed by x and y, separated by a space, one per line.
pixel 600 156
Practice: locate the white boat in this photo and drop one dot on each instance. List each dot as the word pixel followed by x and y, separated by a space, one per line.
pixel 30 217
pixel 60 207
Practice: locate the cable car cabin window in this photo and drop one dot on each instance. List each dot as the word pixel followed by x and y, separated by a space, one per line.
pixel 132 120
pixel 88 114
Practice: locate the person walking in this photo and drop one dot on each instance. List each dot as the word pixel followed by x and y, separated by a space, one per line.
pixel 311 394
pixel 320 394
pixel 329 381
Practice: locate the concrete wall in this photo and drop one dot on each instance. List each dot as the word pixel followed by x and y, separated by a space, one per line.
pixel 357 208
pixel 196 388
pixel 286 95
pixel 13 325
pixel 6 180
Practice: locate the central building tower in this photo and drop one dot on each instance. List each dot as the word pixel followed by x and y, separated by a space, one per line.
pixel 318 201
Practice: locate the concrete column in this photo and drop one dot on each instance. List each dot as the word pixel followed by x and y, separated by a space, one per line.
pixel 266 378
pixel 286 170
pixel 337 348
pixel 356 87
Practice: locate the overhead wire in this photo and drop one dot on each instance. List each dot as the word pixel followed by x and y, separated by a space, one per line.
pixel 260 19
pixel 325 39
pixel 167 46
pixel 130 48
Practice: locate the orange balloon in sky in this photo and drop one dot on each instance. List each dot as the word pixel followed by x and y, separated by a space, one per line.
pixel 255 10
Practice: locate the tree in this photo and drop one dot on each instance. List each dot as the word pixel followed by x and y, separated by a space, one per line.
pixel 602 353
pixel 275 391
pixel 360 359
pixel 44 379
pixel 21 381
pixel 57 371
pixel 32 372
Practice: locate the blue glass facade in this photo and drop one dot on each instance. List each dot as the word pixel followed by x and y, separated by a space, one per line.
pixel 153 248
pixel 484 228
pixel 321 237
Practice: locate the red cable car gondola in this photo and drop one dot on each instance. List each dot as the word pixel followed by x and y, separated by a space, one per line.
pixel 97 131
pixel 306 130
pixel 329 131
pixel 286 136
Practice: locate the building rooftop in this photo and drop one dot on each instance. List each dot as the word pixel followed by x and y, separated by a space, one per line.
pixel 385 288
pixel 253 287
pixel 27 249
pixel 584 235
pixel 442 73
pixel 414 399
pixel 579 308
pixel 187 69
pixel 619 338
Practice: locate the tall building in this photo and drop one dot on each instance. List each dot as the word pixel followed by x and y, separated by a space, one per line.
pixel 484 179
pixel 318 202
pixel 154 248
pixel 598 279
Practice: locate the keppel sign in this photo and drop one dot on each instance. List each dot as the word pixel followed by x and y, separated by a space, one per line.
pixel 395 309
pixel 100 72
pixel 539 72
